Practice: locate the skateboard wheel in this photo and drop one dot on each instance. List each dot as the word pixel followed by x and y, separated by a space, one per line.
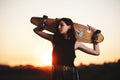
pixel 45 17
pixel 95 36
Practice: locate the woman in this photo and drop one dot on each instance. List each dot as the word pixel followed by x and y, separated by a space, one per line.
pixel 64 46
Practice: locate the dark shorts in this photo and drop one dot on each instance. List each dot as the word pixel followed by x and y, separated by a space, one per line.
pixel 64 73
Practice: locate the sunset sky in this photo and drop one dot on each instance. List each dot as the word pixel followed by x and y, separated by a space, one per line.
pixel 20 45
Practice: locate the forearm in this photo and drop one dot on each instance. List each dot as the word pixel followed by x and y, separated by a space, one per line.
pixel 37 29
pixel 88 50
pixel 94 51
pixel 42 34
pixel 96 48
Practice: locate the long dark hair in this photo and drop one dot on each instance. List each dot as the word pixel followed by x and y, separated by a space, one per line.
pixel 70 33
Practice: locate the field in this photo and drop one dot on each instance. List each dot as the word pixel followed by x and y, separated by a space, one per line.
pixel 107 71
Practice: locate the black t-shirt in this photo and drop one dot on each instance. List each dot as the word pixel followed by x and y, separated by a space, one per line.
pixel 63 52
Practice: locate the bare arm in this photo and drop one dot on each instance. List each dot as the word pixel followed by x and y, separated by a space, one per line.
pixel 82 47
pixel 44 35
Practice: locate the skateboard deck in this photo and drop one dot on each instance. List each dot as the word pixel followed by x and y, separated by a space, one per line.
pixel 82 32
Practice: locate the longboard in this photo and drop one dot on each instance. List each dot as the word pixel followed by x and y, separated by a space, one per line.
pixel 82 32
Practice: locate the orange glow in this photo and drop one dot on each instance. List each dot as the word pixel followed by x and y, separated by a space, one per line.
pixel 43 56
pixel 46 60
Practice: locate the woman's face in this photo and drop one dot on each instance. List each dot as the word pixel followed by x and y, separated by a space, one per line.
pixel 63 27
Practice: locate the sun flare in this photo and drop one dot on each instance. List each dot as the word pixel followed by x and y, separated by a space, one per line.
pixel 43 56
pixel 46 59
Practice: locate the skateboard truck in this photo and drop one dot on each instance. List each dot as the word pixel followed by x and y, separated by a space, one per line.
pixel 95 36
pixel 44 22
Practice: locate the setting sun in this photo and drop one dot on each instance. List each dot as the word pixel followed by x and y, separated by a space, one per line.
pixel 46 59
pixel 43 56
